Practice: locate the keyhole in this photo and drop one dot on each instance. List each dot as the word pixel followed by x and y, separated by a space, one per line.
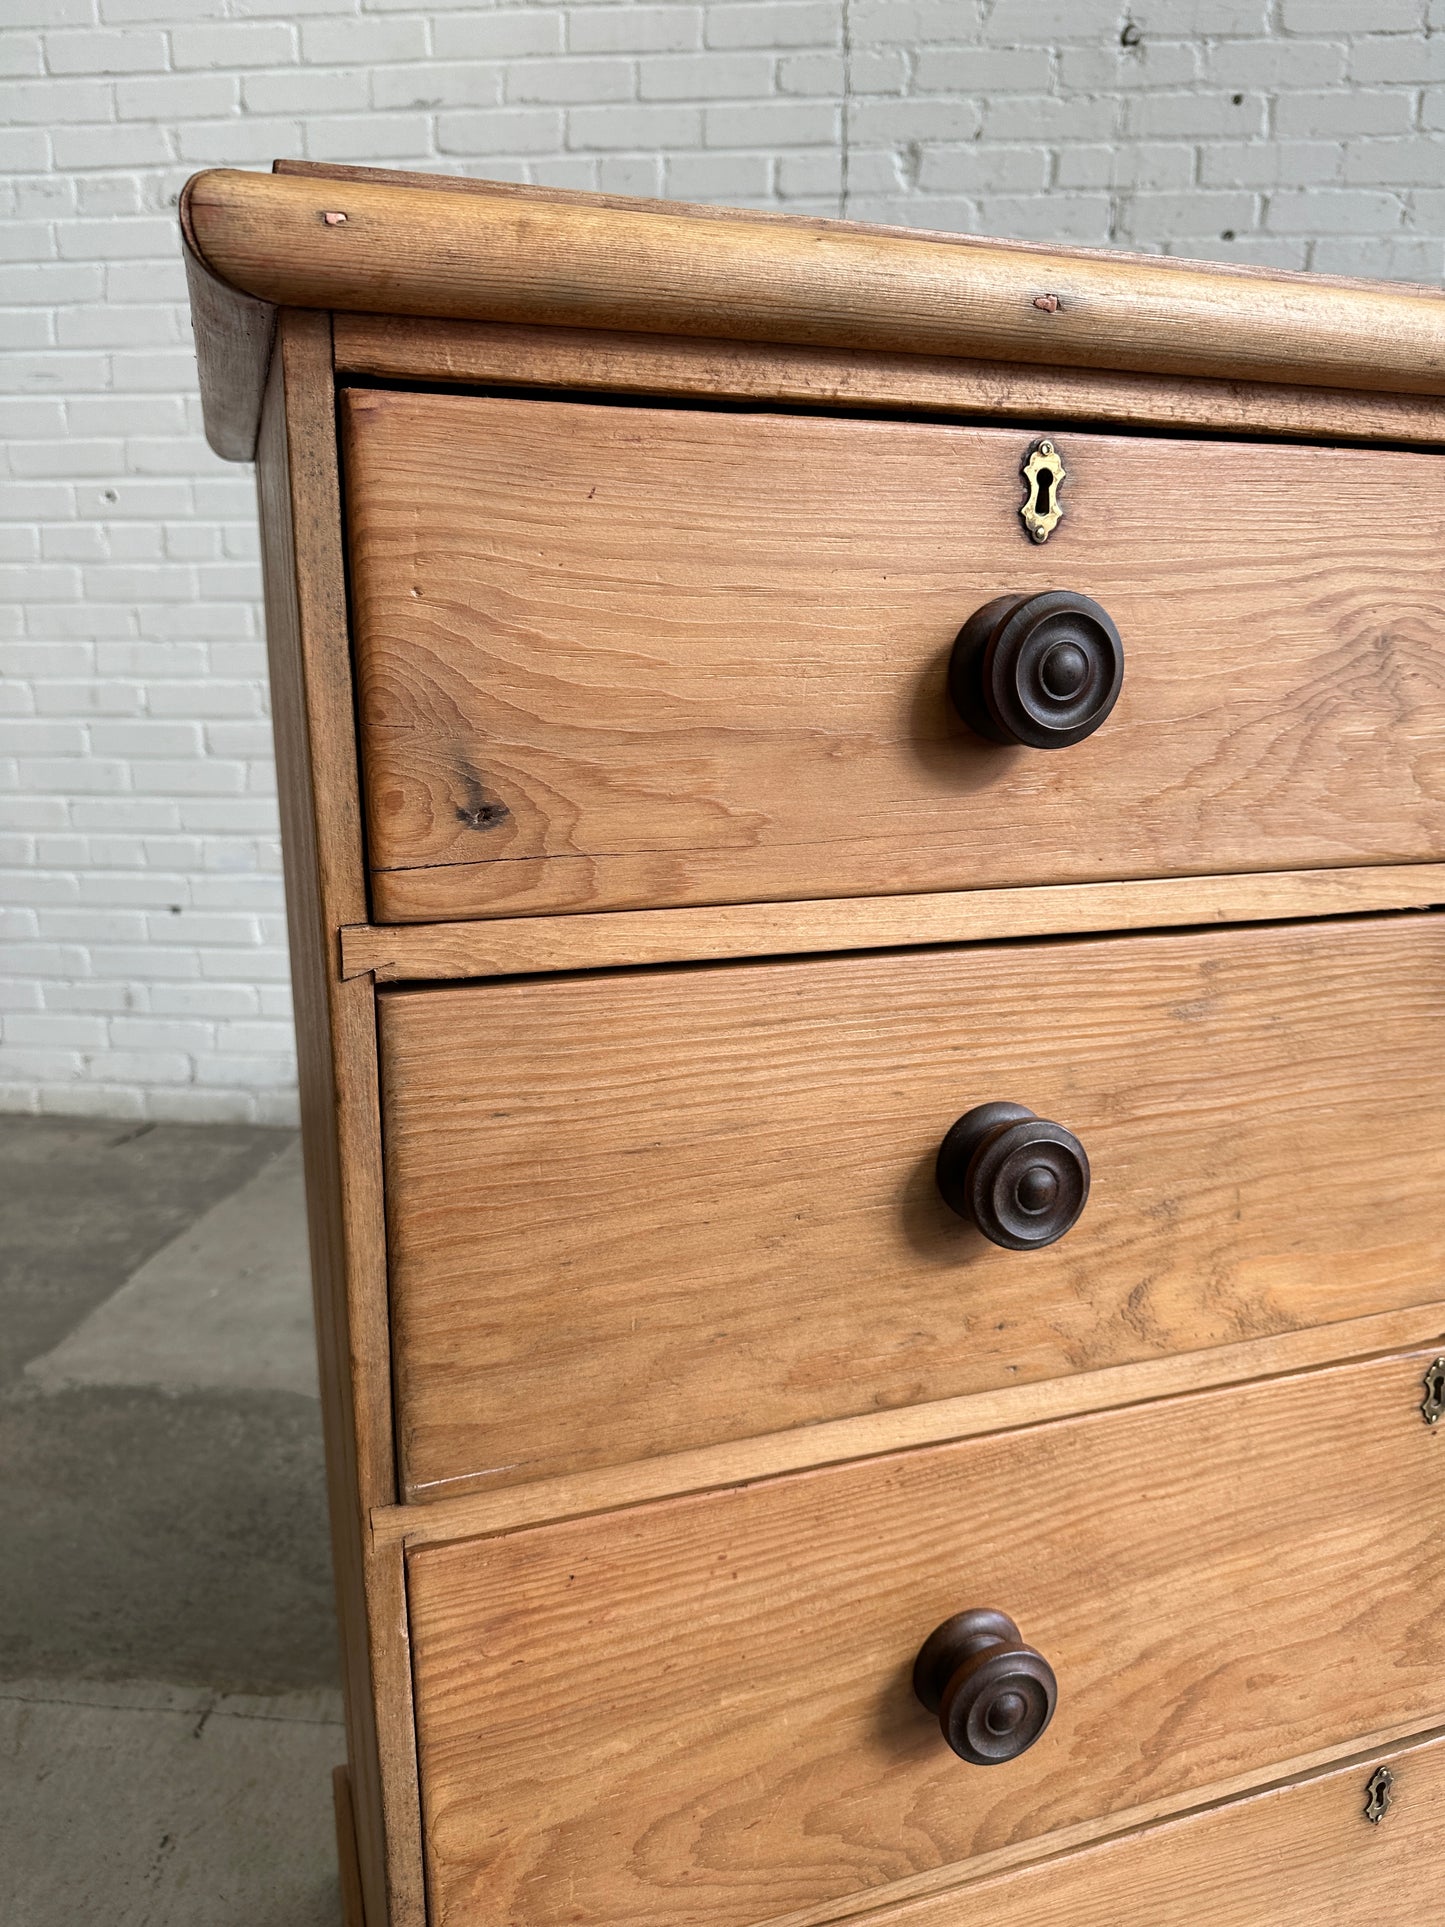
pixel 1043 489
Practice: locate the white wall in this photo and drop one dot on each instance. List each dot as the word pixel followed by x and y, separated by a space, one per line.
pixel 144 941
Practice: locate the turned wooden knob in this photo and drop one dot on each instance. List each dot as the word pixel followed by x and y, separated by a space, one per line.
pixel 1042 670
pixel 992 1694
pixel 1020 1179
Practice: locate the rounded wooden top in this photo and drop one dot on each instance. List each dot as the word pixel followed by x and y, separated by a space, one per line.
pixel 364 241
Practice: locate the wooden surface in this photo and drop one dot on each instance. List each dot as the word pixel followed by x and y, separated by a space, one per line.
pixel 699 1713
pixel 613 657
pixel 638 1214
pixel 668 270
pixel 513 946
pixel 408 348
pixel 233 336
pixel 471 1512
pixel 1299 1855
pixel 336 1036
pixel 353 1909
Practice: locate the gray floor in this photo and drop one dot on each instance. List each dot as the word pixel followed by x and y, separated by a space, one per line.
pixel 169 1714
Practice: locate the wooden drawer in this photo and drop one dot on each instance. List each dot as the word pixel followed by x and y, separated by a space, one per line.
pixel 699 1713
pixel 617 656
pixel 1301 1855
pixel 632 1214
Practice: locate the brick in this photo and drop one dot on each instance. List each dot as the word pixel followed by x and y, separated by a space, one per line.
pixel 513 130
pixel 973 169
pixel 1270 163
pixel 1154 64
pixel 773 23
pixel 107 240
pixel 501 35
pixel 1204 115
pixel 1022 117
pixel 983 70
pixel 1254 65
pixel 772 123
pixel 1407 58
pixel 437 84
pixel 231 143
pixel 1344 16
pixel 307 91
pixel 631 29
pixel 1019 22
pixel 630 174
pixel 1342 112
pixel 47 103
pixel 248 43
pixel 363 42
pixel 634 125
pixel 719 177
pixel 1325 210
pixel 106 51
pixel 110 147
pixel 705 76
pixel 566 81
pixel 177 96
pixel 1394 163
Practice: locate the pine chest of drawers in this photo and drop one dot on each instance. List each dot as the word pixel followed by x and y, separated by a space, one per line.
pixel 863 814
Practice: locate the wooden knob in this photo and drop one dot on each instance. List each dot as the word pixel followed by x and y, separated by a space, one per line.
pixel 1020 1179
pixel 992 1694
pixel 1042 670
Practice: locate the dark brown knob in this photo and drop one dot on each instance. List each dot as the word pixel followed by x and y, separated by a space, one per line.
pixel 1042 670
pixel 1022 1180
pixel 992 1694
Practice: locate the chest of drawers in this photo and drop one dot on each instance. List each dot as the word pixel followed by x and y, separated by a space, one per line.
pixel 863 819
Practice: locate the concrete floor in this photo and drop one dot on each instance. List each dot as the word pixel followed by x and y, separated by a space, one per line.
pixel 169 1712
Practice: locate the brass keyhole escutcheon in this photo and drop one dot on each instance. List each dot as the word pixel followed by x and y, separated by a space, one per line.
pixel 1433 1403
pixel 1377 1795
pixel 1044 474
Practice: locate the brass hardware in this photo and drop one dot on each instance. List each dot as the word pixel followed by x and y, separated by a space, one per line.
pixel 1433 1404
pixel 1377 1795
pixel 1044 475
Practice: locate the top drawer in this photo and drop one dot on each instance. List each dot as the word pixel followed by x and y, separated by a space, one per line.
pixel 614 656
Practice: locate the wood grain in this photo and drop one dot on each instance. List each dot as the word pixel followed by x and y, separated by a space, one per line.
pixel 406 348
pixel 635 1215
pixel 513 946
pixel 1299 1855
pixel 699 1713
pixel 616 657
pixel 336 1037
pixel 470 1511
pixel 353 1908
pixel 665 270
pixel 233 336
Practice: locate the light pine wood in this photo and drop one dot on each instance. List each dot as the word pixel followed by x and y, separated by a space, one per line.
pixel 336 1035
pixel 470 1512
pixel 407 348
pixel 667 270
pixel 614 658
pixel 639 1214
pixel 353 1907
pixel 513 946
pixel 233 336
pixel 699 1713
pixel 1298 1855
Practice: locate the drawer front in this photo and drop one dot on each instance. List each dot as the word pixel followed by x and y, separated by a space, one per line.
pixel 700 1713
pixel 615 656
pixel 632 1214
pixel 1298 1856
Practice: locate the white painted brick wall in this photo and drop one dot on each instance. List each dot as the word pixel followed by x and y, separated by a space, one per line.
pixel 144 969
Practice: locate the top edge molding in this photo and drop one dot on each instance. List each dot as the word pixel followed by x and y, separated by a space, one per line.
pixel 363 241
